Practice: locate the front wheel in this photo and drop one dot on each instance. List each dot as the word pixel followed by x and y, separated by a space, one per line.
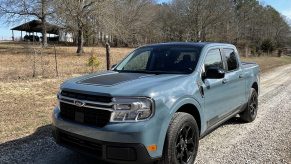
pixel 181 144
pixel 250 112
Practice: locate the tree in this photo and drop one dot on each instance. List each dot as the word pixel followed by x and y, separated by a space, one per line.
pixel 128 20
pixel 13 10
pixel 79 16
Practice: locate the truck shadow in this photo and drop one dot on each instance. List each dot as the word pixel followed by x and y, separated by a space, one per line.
pixel 233 121
pixel 40 147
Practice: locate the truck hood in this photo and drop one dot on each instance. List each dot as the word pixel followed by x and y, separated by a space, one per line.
pixel 126 84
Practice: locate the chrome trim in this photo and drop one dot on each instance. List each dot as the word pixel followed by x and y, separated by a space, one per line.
pixel 110 107
pixel 72 101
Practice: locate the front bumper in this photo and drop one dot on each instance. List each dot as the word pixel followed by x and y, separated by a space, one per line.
pixel 107 151
pixel 115 142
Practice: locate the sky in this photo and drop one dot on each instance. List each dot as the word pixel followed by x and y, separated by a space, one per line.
pixel 283 6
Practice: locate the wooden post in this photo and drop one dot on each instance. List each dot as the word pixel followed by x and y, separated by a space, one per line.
pixel 34 64
pixel 41 63
pixel 33 37
pixel 12 35
pixel 108 56
pixel 92 59
pixel 56 61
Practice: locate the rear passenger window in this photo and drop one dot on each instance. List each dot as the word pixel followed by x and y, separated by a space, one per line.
pixel 213 59
pixel 231 59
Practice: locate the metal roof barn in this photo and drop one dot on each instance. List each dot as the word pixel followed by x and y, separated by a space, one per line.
pixel 36 26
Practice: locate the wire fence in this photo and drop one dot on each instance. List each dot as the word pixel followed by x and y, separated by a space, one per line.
pixel 33 61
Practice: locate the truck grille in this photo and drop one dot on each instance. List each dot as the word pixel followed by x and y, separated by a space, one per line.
pixel 85 109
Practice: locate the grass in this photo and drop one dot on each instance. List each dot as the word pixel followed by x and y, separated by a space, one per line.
pixel 17 60
pixel 27 103
pixel 268 63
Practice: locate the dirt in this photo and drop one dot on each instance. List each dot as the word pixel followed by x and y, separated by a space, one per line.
pixel 266 140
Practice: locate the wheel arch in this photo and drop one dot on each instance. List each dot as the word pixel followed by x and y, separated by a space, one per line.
pixel 192 110
pixel 255 86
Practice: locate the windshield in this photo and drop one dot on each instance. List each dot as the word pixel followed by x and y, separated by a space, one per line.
pixel 175 60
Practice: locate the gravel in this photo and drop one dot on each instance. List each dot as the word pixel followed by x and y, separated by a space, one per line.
pixel 266 140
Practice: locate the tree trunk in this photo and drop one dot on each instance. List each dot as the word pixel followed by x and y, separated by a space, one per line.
pixel 43 22
pixel 44 32
pixel 80 41
pixel 279 53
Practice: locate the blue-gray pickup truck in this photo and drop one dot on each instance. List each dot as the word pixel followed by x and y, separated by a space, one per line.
pixel 155 105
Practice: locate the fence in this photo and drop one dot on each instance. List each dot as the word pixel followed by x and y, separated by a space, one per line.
pixel 32 61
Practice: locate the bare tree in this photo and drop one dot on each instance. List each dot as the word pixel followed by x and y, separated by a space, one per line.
pixel 14 10
pixel 127 20
pixel 78 16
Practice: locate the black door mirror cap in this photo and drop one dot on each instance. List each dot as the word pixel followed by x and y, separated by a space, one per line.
pixel 215 73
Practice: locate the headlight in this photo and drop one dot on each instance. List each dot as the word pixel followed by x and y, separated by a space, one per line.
pixel 132 109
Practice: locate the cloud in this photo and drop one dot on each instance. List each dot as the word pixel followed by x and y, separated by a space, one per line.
pixel 287 13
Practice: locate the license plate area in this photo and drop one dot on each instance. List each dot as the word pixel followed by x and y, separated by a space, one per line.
pixel 79 117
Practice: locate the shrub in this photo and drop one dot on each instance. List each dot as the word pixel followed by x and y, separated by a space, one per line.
pixel 93 62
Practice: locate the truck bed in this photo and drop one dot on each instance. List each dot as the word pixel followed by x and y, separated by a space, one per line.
pixel 247 65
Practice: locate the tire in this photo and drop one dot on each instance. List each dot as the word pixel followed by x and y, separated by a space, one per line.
pixel 182 139
pixel 250 112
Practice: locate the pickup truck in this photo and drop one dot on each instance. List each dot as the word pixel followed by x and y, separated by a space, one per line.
pixel 155 105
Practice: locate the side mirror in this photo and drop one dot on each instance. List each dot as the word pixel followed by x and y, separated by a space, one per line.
pixel 214 73
pixel 113 66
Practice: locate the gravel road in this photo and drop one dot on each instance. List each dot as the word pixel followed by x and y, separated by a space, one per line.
pixel 266 140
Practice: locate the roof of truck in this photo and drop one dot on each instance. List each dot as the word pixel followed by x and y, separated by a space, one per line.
pixel 197 44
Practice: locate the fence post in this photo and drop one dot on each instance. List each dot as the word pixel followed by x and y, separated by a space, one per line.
pixel 108 56
pixel 56 61
pixel 34 63
pixel 41 62
pixel 92 59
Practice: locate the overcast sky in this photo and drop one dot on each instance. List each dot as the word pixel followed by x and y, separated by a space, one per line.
pixel 283 6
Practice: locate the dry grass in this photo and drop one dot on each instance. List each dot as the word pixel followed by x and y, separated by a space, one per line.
pixel 268 63
pixel 27 103
pixel 17 60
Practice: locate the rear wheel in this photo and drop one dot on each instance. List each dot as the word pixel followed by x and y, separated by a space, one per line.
pixel 182 139
pixel 250 112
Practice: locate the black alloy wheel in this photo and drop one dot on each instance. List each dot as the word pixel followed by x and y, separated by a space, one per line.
pixel 185 144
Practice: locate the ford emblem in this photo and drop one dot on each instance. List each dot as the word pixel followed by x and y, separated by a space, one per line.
pixel 79 103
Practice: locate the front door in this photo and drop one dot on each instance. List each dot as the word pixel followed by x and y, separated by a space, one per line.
pixel 215 91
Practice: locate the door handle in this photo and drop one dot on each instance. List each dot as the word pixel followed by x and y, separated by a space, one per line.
pixel 224 81
pixel 241 76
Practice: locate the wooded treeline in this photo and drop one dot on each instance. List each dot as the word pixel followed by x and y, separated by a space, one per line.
pixel 246 23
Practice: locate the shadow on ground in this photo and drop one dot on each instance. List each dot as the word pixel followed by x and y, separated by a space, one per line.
pixel 231 121
pixel 40 147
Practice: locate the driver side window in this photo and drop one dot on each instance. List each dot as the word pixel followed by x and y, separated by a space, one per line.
pixel 213 59
pixel 138 62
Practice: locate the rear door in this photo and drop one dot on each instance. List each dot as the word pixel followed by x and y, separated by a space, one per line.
pixel 234 80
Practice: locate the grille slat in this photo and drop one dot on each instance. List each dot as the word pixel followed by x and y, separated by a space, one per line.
pixel 81 144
